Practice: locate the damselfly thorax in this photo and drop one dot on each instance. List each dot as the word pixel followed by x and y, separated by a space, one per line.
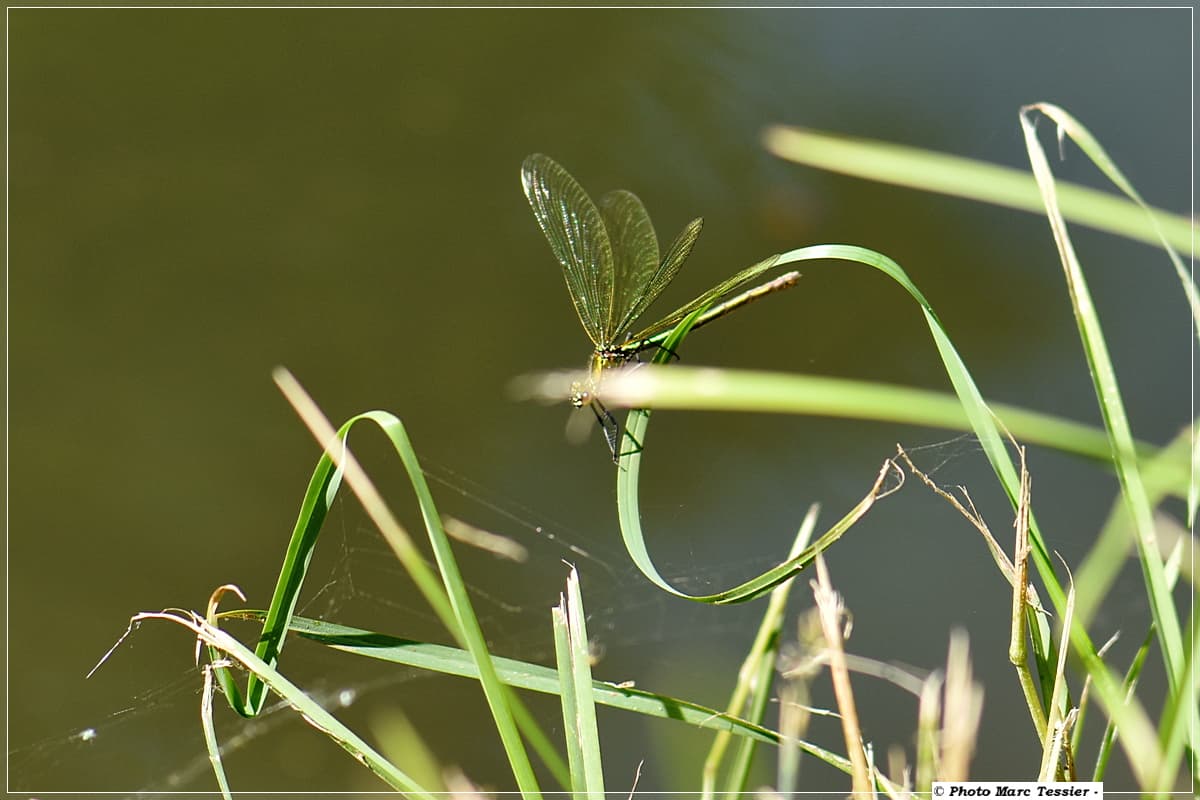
pixel 586 391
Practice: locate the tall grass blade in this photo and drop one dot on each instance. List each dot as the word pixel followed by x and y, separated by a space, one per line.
pixel 585 703
pixel 1130 683
pixel 1165 231
pixel 1112 408
pixel 566 693
pixel 755 679
pixel 1101 565
pixel 1178 727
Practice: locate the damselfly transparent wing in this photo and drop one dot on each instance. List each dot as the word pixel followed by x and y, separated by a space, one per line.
pixel 636 299
pixel 575 230
pixel 635 257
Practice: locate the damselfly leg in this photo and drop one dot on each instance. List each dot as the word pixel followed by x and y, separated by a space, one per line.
pixel 613 431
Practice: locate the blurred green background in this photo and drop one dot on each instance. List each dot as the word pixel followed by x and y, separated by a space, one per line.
pixel 199 195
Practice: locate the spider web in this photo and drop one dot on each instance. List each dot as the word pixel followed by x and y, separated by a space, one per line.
pixel 356 580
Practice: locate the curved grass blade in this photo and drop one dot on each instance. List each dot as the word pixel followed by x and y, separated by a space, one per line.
pixel 318 498
pixel 630 516
pixel 449 600
pixel 1138 736
pixel 575 230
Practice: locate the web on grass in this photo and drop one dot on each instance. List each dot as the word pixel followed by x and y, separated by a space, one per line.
pixel 357 581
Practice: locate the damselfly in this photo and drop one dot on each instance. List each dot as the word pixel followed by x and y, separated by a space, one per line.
pixel 611 261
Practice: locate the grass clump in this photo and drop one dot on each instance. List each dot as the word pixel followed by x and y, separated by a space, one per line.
pixel 1064 676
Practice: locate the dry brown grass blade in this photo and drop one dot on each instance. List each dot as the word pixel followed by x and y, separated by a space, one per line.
pixel 1018 654
pixel 899 771
pixel 963 710
pixel 832 613
pixel 494 543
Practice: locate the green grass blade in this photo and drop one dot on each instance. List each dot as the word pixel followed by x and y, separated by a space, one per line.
pixel 1112 409
pixel 1168 235
pixel 468 624
pixel 635 542
pixel 1132 675
pixel 709 389
pixel 210 733
pixel 1178 721
pixel 319 496
pixel 931 171
pixel 756 678
pixel 629 515
pixel 1052 743
pixel 322 488
pixel 565 677
pixel 1100 567
pixel 985 182
pixel 580 677
pixel 1170 232
pixel 517 674
pixel 537 738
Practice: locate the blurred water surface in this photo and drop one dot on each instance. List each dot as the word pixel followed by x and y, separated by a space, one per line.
pixel 199 195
